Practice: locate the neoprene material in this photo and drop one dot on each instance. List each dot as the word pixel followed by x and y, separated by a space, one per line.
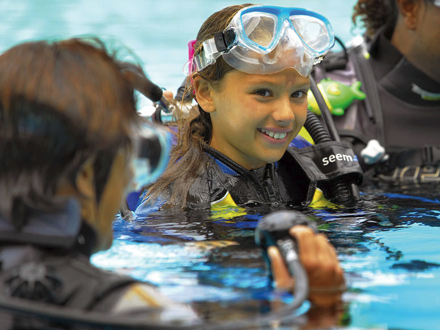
pixel 406 120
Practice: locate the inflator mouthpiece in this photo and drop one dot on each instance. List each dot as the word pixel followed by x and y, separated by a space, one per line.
pixel 276 225
pixel 273 230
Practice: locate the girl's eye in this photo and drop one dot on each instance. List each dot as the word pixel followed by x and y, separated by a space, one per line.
pixel 299 94
pixel 263 92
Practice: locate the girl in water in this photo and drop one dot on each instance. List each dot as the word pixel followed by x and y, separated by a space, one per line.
pixel 250 76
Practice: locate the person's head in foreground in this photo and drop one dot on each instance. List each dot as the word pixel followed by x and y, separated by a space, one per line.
pixel 250 77
pixel 67 123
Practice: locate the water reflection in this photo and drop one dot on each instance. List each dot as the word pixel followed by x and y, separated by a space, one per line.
pixel 388 247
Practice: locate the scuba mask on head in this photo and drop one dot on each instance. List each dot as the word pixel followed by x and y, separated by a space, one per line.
pixel 268 39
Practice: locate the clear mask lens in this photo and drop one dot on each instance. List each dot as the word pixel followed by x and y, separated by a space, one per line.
pixel 152 147
pixel 260 30
pixel 313 33
pixel 269 43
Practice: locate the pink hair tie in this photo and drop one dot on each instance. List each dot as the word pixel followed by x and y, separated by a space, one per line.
pixel 188 68
pixel 191 49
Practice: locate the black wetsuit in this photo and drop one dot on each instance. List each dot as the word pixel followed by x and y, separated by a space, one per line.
pixel 402 109
pixel 276 183
pixel 292 180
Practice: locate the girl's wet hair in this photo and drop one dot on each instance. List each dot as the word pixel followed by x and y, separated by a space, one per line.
pixel 61 103
pixel 188 160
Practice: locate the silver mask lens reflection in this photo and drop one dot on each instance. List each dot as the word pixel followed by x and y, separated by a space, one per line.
pixel 151 154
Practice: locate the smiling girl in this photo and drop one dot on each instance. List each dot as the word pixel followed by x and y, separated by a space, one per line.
pixel 250 77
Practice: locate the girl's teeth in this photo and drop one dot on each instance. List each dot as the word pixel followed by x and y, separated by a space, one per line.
pixel 276 136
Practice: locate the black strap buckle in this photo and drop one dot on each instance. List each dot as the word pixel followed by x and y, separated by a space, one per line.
pixel 224 40
pixel 430 155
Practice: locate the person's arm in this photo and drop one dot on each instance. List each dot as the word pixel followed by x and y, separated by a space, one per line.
pixel 318 256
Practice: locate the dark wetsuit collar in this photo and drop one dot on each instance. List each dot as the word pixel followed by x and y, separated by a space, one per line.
pixel 62 229
pixel 382 51
pixel 398 76
pixel 228 166
pixel 262 179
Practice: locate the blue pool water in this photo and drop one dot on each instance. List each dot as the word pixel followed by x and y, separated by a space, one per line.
pixel 388 246
pixel 158 31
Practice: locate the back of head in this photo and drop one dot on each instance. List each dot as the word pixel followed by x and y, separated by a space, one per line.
pixel 60 103
pixel 374 14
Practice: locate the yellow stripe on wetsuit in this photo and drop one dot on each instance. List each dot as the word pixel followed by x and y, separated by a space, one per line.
pixel 226 208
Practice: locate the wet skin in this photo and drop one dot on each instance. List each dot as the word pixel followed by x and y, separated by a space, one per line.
pixel 255 117
pixel 417 35
pixel 100 215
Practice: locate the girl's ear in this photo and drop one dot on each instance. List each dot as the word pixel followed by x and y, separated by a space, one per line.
pixel 85 179
pixel 203 90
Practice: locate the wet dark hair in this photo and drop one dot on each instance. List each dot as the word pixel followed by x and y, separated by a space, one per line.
pixel 373 14
pixel 61 103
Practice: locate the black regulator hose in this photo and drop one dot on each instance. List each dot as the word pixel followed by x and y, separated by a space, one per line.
pixel 315 128
pixel 342 190
pixel 325 112
pixel 273 230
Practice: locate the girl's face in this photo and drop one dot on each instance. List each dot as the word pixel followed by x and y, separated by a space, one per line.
pixel 255 117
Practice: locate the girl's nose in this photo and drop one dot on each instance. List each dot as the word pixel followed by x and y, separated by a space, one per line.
pixel 284 112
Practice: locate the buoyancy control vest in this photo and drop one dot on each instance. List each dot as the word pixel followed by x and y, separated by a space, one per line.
pixel 292 180
pixel 401 109
pixel 315 175
pixel 47 261
pixel 230 181
pixel 63 280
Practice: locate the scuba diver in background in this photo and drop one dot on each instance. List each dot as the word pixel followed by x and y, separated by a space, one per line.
pixel 249 73
pixel 69 134
pixel 398 65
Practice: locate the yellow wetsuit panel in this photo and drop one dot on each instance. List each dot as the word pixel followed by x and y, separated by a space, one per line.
pixel 319 200
pixel 303 133
pixel 226 208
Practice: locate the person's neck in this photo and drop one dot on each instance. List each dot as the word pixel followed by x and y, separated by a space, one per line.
pixel 405 42
pixel 61 229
